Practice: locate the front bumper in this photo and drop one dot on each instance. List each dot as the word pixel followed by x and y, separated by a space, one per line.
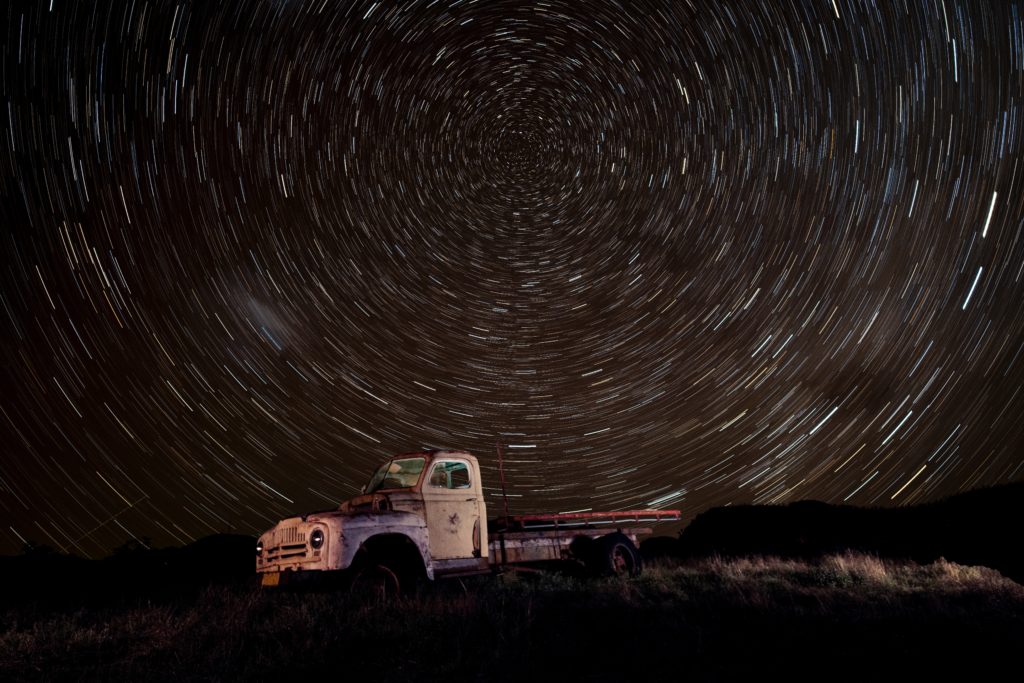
pixel 303 579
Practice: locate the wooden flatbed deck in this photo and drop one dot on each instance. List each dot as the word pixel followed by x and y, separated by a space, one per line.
pixel 549 537
pixel 561 520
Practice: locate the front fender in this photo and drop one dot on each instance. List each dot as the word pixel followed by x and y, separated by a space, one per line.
pixel 357 529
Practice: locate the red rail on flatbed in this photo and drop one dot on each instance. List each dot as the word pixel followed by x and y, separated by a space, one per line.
pixel 585 519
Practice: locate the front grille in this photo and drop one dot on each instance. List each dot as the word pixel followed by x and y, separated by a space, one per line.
pixel 290 535
pixel 287 543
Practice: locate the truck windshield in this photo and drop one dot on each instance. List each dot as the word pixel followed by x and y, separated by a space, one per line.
pixel 396 474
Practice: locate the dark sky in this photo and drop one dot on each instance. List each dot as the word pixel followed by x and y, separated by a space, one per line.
pixel 670 254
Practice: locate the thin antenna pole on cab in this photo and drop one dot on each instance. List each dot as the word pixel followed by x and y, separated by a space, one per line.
pixel 501 475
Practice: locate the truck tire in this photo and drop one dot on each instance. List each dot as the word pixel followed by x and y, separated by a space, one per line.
pixel 617 556
pixel 374 581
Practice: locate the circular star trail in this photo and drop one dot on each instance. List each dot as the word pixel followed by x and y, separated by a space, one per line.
pixel 668 254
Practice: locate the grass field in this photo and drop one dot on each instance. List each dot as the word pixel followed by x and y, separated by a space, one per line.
pixel 847 617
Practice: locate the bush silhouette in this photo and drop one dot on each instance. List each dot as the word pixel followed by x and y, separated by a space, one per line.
pixel 974 528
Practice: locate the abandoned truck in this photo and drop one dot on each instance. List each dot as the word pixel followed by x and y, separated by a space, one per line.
pixel 422 516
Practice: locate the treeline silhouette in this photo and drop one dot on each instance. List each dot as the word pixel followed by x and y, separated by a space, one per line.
pixel 134 570
pixel 979 527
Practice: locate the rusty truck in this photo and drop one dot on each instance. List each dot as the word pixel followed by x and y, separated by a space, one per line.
pixel 422 517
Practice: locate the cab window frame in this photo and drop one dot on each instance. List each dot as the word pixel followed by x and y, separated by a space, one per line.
pixel 448 468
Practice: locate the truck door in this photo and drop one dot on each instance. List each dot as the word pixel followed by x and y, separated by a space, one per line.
pixel 450 498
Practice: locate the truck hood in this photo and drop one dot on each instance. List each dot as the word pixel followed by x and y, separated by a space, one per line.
pixel 321 516
pixel 381 503
pixel 369 510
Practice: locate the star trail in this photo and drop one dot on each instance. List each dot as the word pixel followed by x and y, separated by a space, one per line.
pixel 671 254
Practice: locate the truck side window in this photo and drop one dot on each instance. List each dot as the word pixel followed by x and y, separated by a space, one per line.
pixel 450 475
pixel 439 478
pixel 459 476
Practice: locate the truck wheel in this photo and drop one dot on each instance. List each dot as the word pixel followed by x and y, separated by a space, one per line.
pixel 617 556
pixel 375 582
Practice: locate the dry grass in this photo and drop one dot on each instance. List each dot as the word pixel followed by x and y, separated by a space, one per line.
pixel 708 620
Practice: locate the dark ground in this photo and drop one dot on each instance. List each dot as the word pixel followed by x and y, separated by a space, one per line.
pixel 803 591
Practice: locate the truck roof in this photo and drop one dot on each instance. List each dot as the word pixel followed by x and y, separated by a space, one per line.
pixel 434 454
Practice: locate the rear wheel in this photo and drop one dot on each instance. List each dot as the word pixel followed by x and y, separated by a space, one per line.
pixel 617 556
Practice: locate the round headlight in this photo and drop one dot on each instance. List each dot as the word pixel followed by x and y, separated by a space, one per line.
pixel 259 547
pixel 316 539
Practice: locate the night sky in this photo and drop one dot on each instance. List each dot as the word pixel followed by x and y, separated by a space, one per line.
pixel 668 254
